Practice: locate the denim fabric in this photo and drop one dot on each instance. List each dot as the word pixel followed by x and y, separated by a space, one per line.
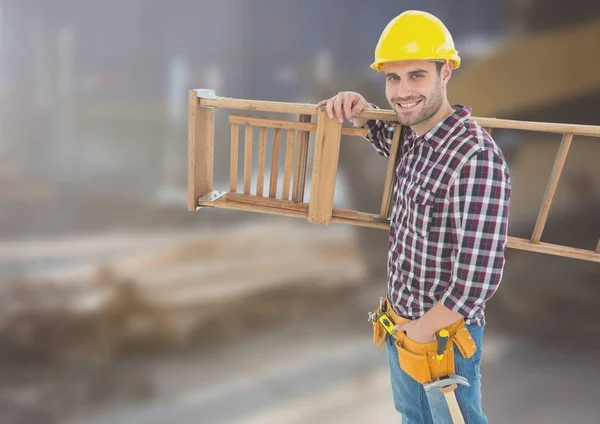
pixel 420 407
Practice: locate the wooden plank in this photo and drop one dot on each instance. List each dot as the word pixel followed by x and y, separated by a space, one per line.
pixel 236 201
pixel 233 165
pixel 228 202
pixel 357 132
pixel 275 163
pixel 575 129
pixel 305 125
pixel 301 162
pixel 559 163
pixel 325 164
pixel 262 147
pixel 248 159
pixel 267 201
pixel 391 173
pixel 251 203
pixel 287 170
pixel 261 105
pixel 201 141
pixel 390 115
pixel 553 249
pixel 271 123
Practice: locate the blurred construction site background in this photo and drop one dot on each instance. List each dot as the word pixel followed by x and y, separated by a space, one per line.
pixel 120 306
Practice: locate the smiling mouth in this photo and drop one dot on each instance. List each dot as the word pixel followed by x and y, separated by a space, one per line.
pixel 408 105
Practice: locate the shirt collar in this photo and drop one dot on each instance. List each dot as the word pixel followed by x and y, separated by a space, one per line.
pixel 436 135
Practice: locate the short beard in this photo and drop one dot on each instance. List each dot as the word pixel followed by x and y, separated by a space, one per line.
pixel 431 107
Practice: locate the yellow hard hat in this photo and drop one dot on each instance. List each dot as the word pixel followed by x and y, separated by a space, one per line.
pixel 415 35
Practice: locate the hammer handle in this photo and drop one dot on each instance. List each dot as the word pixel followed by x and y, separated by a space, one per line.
pixel 457 417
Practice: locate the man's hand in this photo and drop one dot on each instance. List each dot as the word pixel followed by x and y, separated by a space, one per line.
pixel 415 332
pixel 346 104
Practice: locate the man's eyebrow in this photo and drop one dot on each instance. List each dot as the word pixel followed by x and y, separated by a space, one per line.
pixel 416 71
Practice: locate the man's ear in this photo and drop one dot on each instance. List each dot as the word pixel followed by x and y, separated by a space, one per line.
pixel 446 72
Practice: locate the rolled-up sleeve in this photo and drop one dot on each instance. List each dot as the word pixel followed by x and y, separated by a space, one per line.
pixel 479 199
pixel 380 134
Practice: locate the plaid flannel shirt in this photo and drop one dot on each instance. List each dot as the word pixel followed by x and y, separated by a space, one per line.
pixel 449 217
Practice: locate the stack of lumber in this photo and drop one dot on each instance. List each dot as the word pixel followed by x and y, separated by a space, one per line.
pixel 162 293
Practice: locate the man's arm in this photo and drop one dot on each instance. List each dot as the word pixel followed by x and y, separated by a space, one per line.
pixel 380 134
pixel 480 198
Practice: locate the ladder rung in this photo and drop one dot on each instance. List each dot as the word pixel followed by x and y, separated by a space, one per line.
pixel 275 163
pixel 233 166
pixel 301 162
pixel 391 173
pixel 287 170
pixel 262 147
pixel 559 163
pixel 248 161
pixel 271 123
pixel 259 121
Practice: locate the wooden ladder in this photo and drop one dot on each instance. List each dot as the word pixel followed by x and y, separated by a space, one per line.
pixel 326 151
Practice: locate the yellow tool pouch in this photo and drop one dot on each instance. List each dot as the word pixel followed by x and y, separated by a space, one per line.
pixel 420 360
pixel 465 342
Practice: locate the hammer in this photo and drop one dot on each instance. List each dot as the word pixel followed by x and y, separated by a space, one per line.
pixel 447 385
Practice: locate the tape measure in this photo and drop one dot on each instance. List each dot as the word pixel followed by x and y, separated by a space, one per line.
pixel 387 323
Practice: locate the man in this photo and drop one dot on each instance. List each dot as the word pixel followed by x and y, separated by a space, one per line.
pixel 448 225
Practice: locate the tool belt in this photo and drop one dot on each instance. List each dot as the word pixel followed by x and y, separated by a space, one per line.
pixel 420 360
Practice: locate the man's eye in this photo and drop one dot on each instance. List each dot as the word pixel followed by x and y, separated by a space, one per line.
pixel 393 78
pixel 417 76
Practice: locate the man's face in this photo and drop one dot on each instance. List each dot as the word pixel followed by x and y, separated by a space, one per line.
pixel 415 89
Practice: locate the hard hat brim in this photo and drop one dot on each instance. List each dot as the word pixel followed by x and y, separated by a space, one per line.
pixel 378 65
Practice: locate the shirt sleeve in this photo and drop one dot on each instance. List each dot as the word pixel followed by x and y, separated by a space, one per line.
pixel 380 134
pixel 479 199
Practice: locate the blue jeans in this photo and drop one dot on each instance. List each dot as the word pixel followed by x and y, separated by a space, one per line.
pixel 420 407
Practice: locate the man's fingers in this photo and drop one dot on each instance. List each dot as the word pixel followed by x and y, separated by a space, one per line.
pixel 329 107
pixel 357 109
pixel 348 110
pixel 343 105
pixel 399 327
pixel 338 108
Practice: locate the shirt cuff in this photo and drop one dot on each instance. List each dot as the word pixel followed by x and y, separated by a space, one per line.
pixel 450 302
